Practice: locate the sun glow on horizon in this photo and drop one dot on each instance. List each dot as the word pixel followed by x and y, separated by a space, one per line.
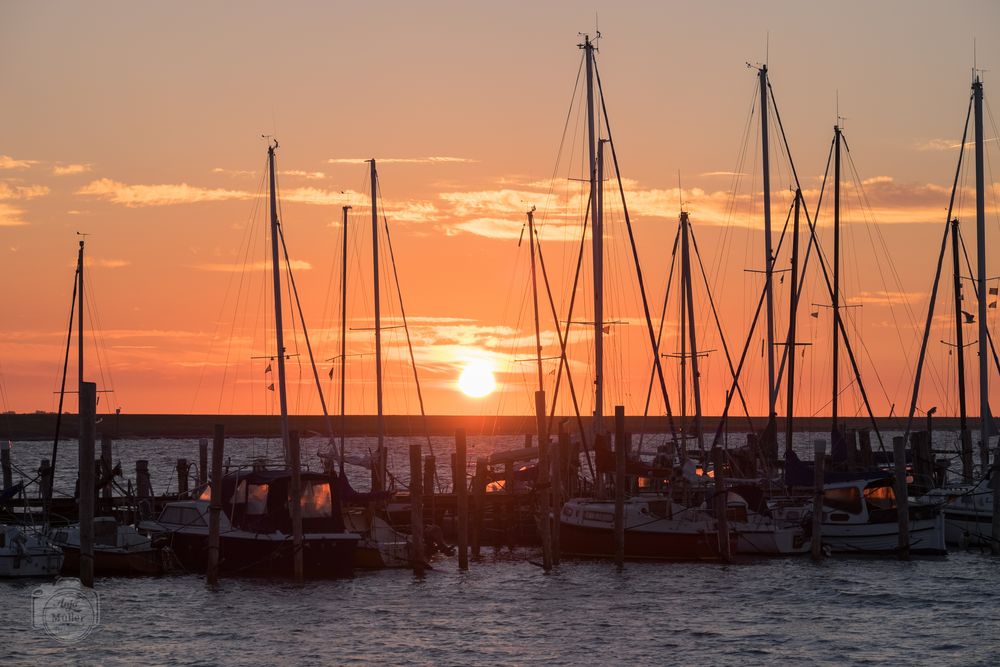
pixel 476 380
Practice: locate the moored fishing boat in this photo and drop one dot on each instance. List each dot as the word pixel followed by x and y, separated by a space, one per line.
pixel 118 549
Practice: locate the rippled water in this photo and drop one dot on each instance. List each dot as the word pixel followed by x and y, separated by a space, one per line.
pixel 506 610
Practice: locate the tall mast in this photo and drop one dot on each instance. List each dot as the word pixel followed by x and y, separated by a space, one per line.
pixel 378 333
pixel 769 258
pixel 79 322
pixel 343 340
pixel 595 154
pixel 984 389
pixel 278 326
pixel 836 282
pixel 683 337
pixel 792 312
pixel 534 294
pixel 688 296
pixel 959 339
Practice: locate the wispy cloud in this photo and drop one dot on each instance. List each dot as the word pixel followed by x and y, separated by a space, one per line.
pixel 402 160
pixel 233 172
pixel 100 263
pixel 157 195
pixel 888 298
pixel 70 169
pixel 11 216
pixel 8 192
pixel 297 265
pixel 723 173
pixel 298 173
pixel 943 144
pixel 7 162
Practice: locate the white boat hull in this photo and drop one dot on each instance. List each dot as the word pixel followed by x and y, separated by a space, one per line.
pixel 927 536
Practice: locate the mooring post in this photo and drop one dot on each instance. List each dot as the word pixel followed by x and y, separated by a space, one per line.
pixel 965 437
pixel 88 438
pixel 458 472
pixel 417 553
pixel 106 443
pixel 995 542
pixel 8 479
pixel 557 456
pixel 721 503
pixel 295 491
pixel 620 485
pixel 45 481
pixel 902 496
pixel 865 445
pixel 203 475
pixel 143 483
pixel 216 504
pixel 479 500
pixel 819 458
pixel 182 477
pixel 430 471
pixel 544 485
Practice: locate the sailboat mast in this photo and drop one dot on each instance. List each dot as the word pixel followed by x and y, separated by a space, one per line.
pixel 343 340
pixel 595 149
pixel 959 338
pixel 769 258
pixel 683 337
pixel 792 313
pixel 984 389
pixel 380 477
pixel 836 282
pixel 534 294
pixel 278 326
pixel 79 321
pixel 689 297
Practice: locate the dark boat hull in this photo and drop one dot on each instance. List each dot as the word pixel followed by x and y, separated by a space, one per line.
pixel 142 562
pixel 589 542
pixel 247 556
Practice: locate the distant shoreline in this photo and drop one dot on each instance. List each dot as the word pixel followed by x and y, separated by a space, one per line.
pixel 41 426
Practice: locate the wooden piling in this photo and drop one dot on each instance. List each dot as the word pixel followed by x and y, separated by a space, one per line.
pixel 557 456
pixel 995 528
pixel 143 483
pixel 182 477
pixel 106 458
pixel 430 472
pixel 203 474
pixel 819 458
pixel 721 503
pixel 216 504
pixel 865 445
pixel 45 482
pixel 417 553
pixel 295 491
pixel 8 478
pixel 902 496
pixel 965 437
pixel 88 436
pixel 620 486
pixel 458 472
pixel 479 500
pixel 544 485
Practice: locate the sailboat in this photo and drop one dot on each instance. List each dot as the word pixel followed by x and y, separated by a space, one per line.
pixel 380 545
pixel 972 508
pixel 117 549
pixel 655 527
pixel 278 522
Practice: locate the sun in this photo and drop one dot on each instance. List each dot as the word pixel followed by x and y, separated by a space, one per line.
pixel 476 380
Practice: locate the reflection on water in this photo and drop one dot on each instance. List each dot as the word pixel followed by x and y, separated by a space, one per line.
pixel 505 610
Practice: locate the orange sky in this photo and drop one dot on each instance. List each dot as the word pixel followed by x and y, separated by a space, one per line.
pixel 141 125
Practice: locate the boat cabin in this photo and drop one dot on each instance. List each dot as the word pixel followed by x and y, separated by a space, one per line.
pixel 260 501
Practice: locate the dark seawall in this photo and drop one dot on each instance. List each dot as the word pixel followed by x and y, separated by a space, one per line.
pixel 41 426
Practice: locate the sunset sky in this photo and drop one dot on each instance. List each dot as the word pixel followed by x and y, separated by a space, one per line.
pixel 140 124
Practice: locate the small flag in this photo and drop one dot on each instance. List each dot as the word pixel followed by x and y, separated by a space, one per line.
pixel 994 291
pixel 606 329
pixel 331 372
pixel 814 314
pixel 781 279
pixel 270 387
pixel 268 369
pixel 969 317
pixel 993 304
